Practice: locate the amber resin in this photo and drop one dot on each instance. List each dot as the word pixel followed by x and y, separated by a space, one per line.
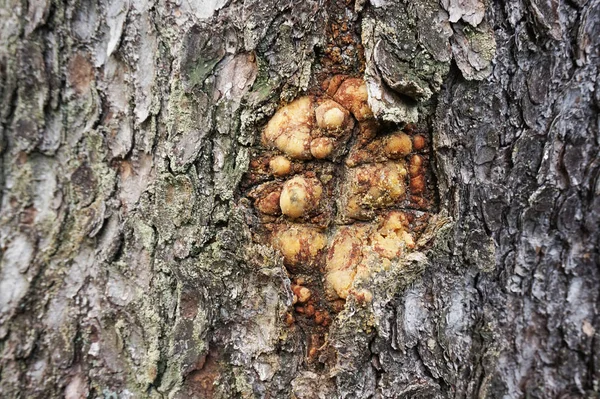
pixel 339 195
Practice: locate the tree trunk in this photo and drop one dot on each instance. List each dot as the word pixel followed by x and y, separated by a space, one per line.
pixel 140 256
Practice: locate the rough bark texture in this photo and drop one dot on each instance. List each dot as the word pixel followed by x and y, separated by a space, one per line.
pixel 128 265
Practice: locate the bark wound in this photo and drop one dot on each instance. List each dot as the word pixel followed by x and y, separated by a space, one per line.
pixel 340 195
pixel 200 383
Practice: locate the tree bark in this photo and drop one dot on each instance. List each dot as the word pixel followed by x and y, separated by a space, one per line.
pixel 133 260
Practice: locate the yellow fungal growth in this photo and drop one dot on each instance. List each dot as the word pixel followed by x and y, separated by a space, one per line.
pixel 332 117
pixel 343 257
pixel 397 145
pixel 345 251
pixel 339 282
pixel 388 246
pixel 299 245
pixel 394 221
pixel 280 166
pixel 322 147
pixel 391 237
pixel 408 239
pixel 300 196
pixel 352 95
pixel 289 130
pixel 356 249
pixel 391 147
pixel 373 186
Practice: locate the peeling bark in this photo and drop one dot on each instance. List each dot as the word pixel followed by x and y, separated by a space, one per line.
pixel 129 265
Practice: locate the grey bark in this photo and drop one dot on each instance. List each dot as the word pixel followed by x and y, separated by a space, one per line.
pixel 128 267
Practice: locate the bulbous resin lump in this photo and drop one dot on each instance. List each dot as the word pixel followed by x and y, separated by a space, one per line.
pixel 354 249
pixel 280 166
pixel 300 196
pixel 300 245
pixel 369 187
pixel 289 130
